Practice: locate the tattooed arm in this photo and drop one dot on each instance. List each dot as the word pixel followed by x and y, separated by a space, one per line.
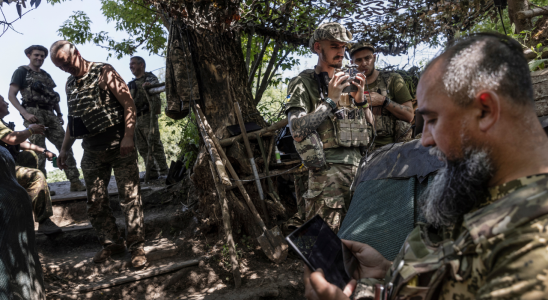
pixel 403 111
pixel 302 124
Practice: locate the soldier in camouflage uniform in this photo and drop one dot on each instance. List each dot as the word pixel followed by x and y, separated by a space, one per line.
pixel 389 96
pixel 102 114
pixel 313 99
pixel 143 131
pixel 487 209
pixel 26 169
pixel 39 100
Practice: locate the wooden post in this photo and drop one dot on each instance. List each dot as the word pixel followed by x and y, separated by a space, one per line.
pixel 223 202
pixel 215 157
pixel 269 131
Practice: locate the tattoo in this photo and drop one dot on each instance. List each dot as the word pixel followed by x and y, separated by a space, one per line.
pixel 397 105
pixel 302 124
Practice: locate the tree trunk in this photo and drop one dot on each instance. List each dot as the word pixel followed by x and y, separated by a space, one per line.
pixel 201 62
pixel 515 6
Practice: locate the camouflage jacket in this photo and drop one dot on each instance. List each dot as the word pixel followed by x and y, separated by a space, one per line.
pixel 39 88
pixel 139 96
pixel 497 252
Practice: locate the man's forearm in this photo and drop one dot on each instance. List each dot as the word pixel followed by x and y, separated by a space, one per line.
pixel 67 141
pixel 57 109
pixel 16 137
pixel 28 146
pixel 401 111
pixel 303 125
pixel 16 104
pixel 129 120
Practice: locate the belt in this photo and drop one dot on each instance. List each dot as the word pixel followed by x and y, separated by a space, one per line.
pixel 40 106
pixel 141 113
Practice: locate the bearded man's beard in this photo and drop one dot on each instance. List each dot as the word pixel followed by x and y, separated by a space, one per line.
pixel 458 187
pixel 333 65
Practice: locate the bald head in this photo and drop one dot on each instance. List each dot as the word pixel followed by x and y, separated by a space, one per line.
pixel 63 46
pixel 66 57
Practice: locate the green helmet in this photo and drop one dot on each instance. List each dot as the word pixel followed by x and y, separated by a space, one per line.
pixel 332 32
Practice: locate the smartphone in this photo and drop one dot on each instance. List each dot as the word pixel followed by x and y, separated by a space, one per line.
pixel 319 247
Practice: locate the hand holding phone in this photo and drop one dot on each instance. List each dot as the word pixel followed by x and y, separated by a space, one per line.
pixel 319 247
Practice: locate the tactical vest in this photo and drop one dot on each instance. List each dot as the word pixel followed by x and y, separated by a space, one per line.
pixel 436 261
pixel 138 92
pixel 386 124
pixel 346 128
pixel 39 88
pixel 91 110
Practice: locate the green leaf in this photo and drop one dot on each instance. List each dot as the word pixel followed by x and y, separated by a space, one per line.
pixel 537 64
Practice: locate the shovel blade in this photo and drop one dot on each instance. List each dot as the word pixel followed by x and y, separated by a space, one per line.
pixel 274 245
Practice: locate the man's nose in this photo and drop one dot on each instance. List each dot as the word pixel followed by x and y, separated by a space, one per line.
pixel 427 139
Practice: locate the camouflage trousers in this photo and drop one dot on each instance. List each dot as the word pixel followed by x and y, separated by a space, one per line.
pixel 329 193
pixel 55 134
pixel 97 167
pixel 34 181
pixel 159 165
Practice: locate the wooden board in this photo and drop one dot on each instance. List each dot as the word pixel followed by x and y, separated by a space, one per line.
pixel 83 195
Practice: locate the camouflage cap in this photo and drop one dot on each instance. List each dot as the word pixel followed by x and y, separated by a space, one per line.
pixel 332 31
pixel 360 46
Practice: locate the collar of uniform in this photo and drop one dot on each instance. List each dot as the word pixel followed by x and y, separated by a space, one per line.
pixel 499 191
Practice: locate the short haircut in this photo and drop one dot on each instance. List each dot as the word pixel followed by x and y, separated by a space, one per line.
pixel 55 47
pixel 487 60
pixel 29 50
pixel 139 59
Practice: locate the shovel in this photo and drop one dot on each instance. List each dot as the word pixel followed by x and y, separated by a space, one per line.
pixel 271 241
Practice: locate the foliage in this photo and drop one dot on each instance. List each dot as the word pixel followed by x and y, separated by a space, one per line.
pixel 58 175
pixel 19 5
pixel 272 103
pixel 140 21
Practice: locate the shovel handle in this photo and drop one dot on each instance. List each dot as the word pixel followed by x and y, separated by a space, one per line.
pixel 239 184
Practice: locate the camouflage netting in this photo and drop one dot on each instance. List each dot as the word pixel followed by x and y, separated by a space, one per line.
pixel 384 208
pixel 392 26
pixel 20 271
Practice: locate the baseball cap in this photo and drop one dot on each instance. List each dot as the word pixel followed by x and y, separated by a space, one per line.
pixel 332 31
pixel 360 46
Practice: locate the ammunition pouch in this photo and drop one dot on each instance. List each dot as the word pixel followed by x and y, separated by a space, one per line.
pixel 351 128
pixel 385 123
pixel 38 87
pixel 403 131
pixel 311 152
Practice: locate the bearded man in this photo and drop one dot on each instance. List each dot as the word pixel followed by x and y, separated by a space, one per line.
pixel 487 210
pixel 319 124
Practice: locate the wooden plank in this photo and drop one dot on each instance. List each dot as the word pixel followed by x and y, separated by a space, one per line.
pixel 83 195
pixel 139 275
pixel 71 228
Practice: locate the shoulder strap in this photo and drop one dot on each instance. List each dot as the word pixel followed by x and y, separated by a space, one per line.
pixel 509 212
pixel 25 67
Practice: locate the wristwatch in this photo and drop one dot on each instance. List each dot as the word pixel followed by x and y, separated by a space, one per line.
pixel 45 150
pixel 331 103
pixel 386 101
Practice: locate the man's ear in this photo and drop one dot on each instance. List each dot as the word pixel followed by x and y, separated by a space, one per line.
pixel 317 47
pixel 490 104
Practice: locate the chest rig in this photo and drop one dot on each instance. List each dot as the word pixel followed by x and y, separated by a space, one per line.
pixel 91 110
pixel 385 121
pixel 39 89
pixel 347 127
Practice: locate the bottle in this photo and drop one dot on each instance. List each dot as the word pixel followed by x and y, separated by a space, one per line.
pixel 54 161
pixel 277 153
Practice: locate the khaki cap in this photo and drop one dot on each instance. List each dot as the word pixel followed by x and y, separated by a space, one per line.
pixel 360 46
pixel 332 32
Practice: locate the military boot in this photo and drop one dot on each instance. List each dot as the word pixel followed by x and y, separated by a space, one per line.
pixel 76 186
pixel 108 250
pixel 47 227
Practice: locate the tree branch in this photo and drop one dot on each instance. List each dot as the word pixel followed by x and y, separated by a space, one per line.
pixel 258 61
pixel 266 76
pixel 248 54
